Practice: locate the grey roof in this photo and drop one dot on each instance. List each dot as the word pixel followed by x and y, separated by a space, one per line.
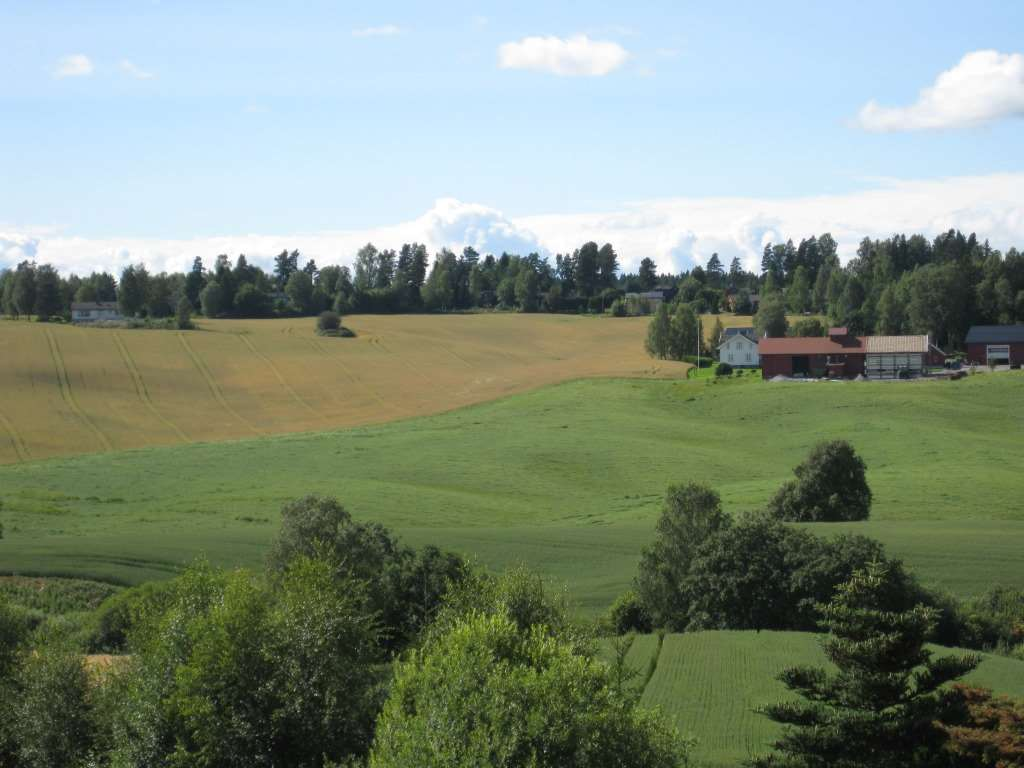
pixel 995 334
pixel 80 305
pixel 745 337
pixel 740 331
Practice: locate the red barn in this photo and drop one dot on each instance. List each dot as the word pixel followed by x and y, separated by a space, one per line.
pixel 838 355
pixel 996 344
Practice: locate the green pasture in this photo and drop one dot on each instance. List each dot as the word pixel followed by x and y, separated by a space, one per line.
pixel 566 479
pixel 709 684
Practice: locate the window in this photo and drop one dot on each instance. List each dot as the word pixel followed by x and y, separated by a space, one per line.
pixel 748 357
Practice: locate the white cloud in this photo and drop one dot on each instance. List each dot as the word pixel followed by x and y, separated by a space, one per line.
pixel 133 70
pixel 385 30
pixel 984 86
pixel 675 232
pixel 578 55
pixel 74 65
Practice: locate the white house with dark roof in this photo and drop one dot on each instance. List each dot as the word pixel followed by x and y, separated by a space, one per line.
pixel 738 349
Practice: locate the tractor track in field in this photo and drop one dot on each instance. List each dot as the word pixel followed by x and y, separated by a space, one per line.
pixel 64 381
pixel 379 345
pixel 142 391
pixel 211 382
pixel 280 377
pixel 652 665
pixel 20 449
pixel 352 377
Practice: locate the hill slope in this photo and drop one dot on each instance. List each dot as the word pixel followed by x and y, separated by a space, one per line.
pixel 566 479
pixel 69 390
pixel 709 683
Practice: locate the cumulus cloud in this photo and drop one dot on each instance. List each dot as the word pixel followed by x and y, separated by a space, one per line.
pixel 453 223
pixel 984 86
pixel 133 70
pixel 385 30
pixel 573 56
pixel 74 65
pixel 676 232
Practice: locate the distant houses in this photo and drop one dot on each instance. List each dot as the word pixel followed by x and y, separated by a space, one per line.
pixel 996 344
pixel 91 311
pixel 843 355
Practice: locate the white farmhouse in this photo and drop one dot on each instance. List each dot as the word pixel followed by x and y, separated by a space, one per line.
pixel 739 348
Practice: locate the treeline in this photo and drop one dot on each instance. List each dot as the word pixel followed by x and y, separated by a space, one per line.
pixel 380 281
pixel 897 285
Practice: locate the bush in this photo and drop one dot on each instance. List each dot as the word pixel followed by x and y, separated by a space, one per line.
pixel 183 314
pixel 405 586
pixel 762 574
pixel 328 321
pixel 628 614
pixel 488 693
pixel 241 670
pixel 830 486
pixel 723 369
pixel 113 622
pixel 53 717
pixel 619 308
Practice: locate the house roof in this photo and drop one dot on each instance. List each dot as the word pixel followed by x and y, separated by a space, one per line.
pixel 79 305
pixel 900 344
pixel 995 334
pixel 727 339
pixel 737 330
pixel 810 345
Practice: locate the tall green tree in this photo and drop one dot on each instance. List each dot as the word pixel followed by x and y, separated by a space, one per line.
pixel 798 295
pixel 685 337
pixel 133 290
pixel 300 292
pixel 211 299
pixel 526 289
pixel 586 269
pixel 881 708
pixel 648 273
pixel 689 514
pixel 607 266
pixel 195 280
pixel 49 301
pixel 659 333
pixel 284 265
pixel 24 289
pixel 770 319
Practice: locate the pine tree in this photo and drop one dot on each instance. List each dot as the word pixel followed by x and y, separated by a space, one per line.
pixel 880 709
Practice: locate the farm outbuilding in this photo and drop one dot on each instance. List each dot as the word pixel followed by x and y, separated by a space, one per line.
pixel 996 344
pixel 91 311
pixel 838 355
pixel 896 357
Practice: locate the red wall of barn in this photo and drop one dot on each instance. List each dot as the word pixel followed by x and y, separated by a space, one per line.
pixel 782 365
pixel 978 353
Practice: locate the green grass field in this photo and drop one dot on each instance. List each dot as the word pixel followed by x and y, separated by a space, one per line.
pixel 566 479
pixel 709 683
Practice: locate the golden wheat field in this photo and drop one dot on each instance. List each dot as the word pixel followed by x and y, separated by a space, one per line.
pixel 67 390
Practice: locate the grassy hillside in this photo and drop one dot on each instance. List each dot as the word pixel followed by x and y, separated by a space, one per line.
pixel 566 479
pixel 709 683
pixel 70 390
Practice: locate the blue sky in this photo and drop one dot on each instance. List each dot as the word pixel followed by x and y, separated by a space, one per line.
pixel 148 129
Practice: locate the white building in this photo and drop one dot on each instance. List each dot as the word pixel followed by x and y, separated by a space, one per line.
pixel 738 350
pixel 91 311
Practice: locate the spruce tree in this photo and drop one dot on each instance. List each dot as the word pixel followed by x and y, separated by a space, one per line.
pixel 879 710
